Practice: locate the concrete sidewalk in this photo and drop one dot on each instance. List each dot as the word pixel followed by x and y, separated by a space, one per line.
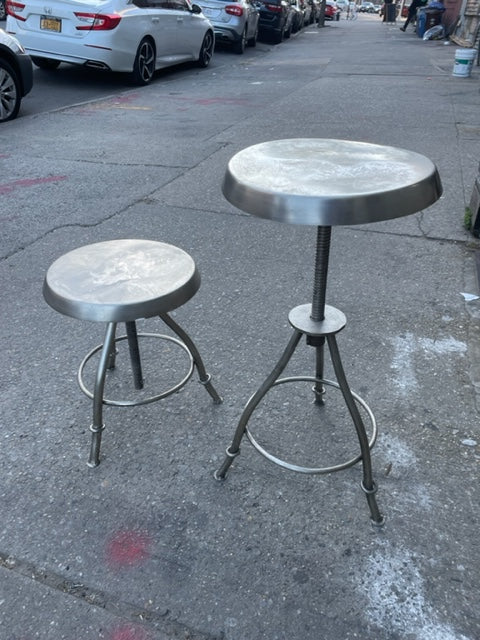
pixel 148 546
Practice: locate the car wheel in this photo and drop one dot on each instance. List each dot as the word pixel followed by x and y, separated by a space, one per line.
pixel 10 96
pixel 253 40
pixel 206 51
pixel 288 32
pixel 144 65
pixel 45 63
pixel 239 46
pixel 278 36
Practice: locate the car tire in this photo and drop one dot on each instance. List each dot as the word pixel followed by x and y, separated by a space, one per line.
pixel 10 95
pixel 240 45
pixel 288 32
pixel 144 64
pixel 206 50
pixel 46 63
pixel 253 40
pixel 278 36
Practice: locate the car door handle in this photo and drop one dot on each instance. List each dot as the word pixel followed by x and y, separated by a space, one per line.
pixel 155 20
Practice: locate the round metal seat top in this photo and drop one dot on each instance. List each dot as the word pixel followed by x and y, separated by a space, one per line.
pixel 121 280
pixel 330 182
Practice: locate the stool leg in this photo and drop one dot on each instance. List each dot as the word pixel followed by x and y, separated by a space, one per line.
pixel 205 378
pixel 368 485
pixel 318 388
pixel 97 426
pixel 112 357
pixel 132 339
pixel 234 449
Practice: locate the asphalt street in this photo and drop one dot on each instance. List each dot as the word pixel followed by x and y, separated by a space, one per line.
pixel 148 545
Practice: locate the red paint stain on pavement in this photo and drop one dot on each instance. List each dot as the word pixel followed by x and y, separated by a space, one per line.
pixel 28 182
pixel 228 101
pixel 211 100
pixel 124 99
pixel 129 632
pixel 127 549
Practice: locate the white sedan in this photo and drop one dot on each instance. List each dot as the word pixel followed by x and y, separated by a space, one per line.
pixel 134 36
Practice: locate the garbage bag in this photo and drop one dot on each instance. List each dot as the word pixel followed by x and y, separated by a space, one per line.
pixel 435 33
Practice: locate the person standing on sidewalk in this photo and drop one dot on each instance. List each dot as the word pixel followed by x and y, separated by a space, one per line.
pixel 412 11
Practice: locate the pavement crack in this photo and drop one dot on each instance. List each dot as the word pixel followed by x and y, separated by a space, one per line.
pixel 113 163
pixel 158 621
pixel 422 236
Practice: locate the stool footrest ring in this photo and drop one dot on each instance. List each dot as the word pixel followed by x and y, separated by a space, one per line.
pixel 315 470
pixel 134 403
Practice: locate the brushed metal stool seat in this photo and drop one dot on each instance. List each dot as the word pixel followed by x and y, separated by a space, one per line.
pixel 324 182
pixel 124 281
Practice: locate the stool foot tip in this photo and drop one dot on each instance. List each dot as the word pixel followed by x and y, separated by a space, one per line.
pixel 378 524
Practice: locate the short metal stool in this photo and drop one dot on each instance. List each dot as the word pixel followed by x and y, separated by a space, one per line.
pixel 123 281
pixel 324 183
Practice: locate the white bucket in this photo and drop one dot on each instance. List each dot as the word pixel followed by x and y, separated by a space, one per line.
pixel 463 64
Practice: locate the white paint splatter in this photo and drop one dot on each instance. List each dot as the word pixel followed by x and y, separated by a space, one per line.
pixel 395 593
pixel 402 363
pixel 404 461
pixel 442 347
pixel 398 452
pixel 404 350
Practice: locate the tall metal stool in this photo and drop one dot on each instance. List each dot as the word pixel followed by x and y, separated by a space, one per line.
pixel 324 183
pixel 123 281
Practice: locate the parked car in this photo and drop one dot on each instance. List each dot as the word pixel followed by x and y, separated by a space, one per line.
pixel 298 19
pixel 315 4
pixel 342 4
pixel 332 12
pixel 234 22
pixel 367 7
pixel 16 76
pixel 132 36
pixel 307 12
pixel 276 18
pixel 3 13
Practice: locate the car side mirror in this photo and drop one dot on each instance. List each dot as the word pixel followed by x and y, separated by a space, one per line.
pixel 196 8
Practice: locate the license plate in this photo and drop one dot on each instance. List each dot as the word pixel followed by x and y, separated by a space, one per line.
pixel 50 24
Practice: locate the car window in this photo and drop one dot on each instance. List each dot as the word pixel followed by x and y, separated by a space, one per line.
pixel 152 4
pixel 178 5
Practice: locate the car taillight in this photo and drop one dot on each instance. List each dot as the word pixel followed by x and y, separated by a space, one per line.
pixel 275 8
pixel 234 10
pixel 97 21
pixel 14 8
